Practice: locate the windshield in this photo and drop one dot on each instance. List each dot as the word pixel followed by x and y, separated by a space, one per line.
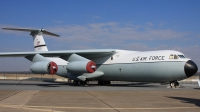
pixel 181 56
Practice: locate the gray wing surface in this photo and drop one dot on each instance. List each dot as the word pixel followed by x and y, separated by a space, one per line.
pixel 96 53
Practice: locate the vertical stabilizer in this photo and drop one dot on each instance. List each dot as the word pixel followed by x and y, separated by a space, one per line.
pixel 38 40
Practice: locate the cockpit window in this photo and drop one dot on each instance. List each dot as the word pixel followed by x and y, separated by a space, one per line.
pixel 173 56
pixel 181 56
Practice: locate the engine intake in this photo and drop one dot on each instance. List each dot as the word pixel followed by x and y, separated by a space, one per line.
pixel 81 67
pixel 44 67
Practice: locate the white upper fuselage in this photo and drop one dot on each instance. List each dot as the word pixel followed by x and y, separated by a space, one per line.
pixel 125 56
pixel 149 66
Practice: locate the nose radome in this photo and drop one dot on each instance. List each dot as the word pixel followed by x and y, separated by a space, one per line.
pixel 190 68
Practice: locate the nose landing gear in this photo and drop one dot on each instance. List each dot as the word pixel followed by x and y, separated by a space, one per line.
pixel 174 84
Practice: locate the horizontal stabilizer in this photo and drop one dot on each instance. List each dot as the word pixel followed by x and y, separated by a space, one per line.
pixel 32 31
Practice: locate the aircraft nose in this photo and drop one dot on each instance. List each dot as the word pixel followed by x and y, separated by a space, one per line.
pixel 190 68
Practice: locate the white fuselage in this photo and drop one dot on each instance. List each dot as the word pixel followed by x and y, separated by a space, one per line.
pixel 149 66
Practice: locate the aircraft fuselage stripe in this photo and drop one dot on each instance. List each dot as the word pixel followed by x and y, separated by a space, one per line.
pixel 39 46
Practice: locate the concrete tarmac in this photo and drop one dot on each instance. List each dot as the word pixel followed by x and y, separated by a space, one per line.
pixel 36 96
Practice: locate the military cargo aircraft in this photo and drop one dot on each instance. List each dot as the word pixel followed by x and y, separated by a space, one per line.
pixel 105 65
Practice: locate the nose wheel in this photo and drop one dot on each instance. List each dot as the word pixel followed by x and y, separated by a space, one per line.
pixel 174 84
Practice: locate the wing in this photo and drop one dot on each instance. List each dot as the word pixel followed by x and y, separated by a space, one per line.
pixel 90 54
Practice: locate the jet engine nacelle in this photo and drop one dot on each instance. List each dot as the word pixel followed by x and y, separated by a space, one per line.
pixel 81 67
pixel 44 67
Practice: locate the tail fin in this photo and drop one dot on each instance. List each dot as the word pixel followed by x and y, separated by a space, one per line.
pixel 38 40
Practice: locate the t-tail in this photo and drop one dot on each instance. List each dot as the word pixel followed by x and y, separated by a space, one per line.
pixel 38 40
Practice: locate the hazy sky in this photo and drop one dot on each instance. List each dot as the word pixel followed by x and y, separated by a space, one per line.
pixel 99 24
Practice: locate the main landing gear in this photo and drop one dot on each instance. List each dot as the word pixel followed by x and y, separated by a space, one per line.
pixel 174 84
pixel 78 83
pixel 103 82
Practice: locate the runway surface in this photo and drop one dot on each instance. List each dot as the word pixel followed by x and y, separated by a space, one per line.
pixel 42 85
pixel 36 96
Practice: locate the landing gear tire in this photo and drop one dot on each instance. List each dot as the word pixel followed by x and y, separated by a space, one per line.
pixel 103 82
pixel 174 84
pixel 75 83
pixel 78 83
pixel 107 82
pixel 100 82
